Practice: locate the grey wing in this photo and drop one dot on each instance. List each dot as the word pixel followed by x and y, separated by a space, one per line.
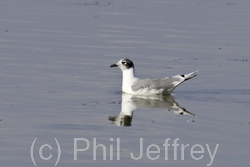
pixel 167 84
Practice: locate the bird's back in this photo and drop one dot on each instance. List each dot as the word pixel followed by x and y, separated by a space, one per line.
pixel 157 86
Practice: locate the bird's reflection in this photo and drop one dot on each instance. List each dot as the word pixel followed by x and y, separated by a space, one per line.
pixel 132 102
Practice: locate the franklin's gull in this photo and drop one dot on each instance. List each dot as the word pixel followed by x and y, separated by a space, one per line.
pixel 135 86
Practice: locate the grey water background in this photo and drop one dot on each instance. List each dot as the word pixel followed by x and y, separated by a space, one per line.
pixel 55 80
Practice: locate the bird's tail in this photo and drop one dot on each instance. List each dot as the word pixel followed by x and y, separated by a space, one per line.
pixel 190 75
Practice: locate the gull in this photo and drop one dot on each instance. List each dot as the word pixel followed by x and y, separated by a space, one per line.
pixel 135 86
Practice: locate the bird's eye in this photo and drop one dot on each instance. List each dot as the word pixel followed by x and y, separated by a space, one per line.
pixel 124 62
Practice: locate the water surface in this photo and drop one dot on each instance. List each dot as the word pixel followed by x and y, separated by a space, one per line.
pixel 56 81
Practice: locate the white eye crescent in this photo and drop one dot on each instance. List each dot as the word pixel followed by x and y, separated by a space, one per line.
pixel 124 62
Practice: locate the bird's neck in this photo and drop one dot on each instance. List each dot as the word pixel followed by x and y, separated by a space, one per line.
pixel 128 74
pixel 128 78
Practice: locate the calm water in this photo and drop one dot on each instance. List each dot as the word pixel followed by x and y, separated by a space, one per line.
pixel 56 84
